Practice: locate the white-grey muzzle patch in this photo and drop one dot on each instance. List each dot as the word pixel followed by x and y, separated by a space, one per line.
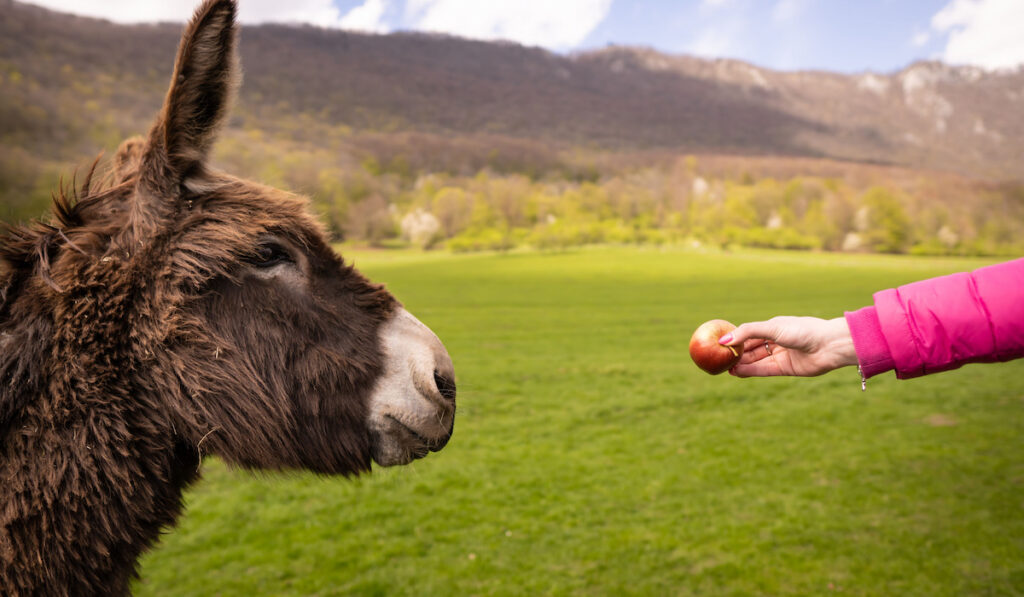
pixel 410 414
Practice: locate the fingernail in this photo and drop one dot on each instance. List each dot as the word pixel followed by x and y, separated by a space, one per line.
pixel 725 339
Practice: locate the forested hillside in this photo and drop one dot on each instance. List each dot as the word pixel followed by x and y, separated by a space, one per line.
pixel 488 145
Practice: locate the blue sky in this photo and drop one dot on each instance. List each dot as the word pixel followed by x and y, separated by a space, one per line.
pixel 847 36
pixel 839 35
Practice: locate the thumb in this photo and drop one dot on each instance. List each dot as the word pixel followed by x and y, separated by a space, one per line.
pixel 762 330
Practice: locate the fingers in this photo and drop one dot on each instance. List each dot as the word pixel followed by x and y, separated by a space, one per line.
pixel 753 343
pixel 762 368
pixel 756 349
pixel 757 330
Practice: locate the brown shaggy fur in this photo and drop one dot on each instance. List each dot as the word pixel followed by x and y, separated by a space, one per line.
pixel 166 313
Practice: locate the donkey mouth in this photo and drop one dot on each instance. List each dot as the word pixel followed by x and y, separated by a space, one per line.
pixel 434 445
pixel 397 443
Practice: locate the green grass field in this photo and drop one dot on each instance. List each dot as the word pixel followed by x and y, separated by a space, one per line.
pixel 591 457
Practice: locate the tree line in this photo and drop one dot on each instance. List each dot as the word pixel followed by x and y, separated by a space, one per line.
pixel 671 203
pixel 497 193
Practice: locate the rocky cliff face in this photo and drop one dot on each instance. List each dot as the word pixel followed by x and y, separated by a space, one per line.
pixel 929 114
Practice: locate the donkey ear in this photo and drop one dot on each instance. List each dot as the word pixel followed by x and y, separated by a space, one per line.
pixel 206 75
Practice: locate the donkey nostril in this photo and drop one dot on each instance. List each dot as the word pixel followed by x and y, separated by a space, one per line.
pixel 445 386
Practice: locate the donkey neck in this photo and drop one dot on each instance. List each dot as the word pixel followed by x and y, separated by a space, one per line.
pixel 90 469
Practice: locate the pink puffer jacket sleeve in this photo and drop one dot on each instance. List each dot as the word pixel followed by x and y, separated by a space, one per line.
pixel 943 323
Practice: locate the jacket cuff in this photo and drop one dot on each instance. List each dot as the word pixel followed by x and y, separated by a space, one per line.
pixel 872 351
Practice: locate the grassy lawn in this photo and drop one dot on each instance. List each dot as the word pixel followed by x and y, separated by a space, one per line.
pixel 592 458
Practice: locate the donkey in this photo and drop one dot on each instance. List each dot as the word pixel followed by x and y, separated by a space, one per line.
pixel 169 311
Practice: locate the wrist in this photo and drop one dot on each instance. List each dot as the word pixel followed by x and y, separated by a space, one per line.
pixel 840 343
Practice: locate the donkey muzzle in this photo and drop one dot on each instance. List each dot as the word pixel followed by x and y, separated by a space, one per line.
pixel 412 406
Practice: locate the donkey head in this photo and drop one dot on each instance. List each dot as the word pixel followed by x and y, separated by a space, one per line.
pixel 248 334
pixel 321 368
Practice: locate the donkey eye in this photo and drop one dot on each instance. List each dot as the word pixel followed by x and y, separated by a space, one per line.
pixel 270 254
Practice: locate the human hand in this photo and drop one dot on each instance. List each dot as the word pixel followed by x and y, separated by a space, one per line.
pixel 803 346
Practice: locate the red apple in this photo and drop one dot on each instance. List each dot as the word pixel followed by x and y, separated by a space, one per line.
pixel 707 353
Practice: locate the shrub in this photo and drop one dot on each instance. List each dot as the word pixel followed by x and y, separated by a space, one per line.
pixel 487 239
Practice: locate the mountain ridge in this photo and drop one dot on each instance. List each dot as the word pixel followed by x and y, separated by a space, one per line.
pixel 928 115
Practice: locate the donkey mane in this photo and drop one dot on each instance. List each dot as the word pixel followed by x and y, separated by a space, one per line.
pixel 72 206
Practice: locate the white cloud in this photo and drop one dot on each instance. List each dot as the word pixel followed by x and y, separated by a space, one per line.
pixel 553 24
pixel 557 24
pixel 920 38
pixel 316 12
pixel 988 33
pixel 368 16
